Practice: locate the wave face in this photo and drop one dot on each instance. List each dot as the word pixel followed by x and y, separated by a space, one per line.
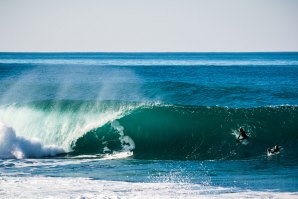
pixel 200 133
pixel 154 131
pixel 150 131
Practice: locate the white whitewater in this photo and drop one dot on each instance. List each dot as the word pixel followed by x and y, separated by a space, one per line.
pixel 13 146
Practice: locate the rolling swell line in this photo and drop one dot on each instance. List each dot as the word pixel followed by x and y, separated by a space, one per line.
pixel 154 131
pixel 192 132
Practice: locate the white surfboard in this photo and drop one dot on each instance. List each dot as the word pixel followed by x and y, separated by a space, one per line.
pixel 269 153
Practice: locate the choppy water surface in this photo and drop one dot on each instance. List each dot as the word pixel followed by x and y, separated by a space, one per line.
pixel 162 119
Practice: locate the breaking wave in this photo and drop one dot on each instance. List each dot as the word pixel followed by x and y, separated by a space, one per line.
pixel 149 131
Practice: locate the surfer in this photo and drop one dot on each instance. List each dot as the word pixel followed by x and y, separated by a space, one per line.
pixel 242 134
pixel 274 150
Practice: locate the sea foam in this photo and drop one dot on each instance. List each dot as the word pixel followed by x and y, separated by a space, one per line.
pixel 13 146
pixel 50 187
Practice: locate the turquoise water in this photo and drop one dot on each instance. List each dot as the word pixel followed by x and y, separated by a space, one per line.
pixel 151 118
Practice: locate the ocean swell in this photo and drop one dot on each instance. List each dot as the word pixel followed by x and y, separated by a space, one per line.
pixel 149 131
pixel 199 133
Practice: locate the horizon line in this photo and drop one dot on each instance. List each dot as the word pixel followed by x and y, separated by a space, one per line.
pixel 148 52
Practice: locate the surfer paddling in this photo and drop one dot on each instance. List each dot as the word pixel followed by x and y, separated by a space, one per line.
pixel 242 135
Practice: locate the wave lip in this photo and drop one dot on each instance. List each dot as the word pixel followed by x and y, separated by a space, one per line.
pixel 13 146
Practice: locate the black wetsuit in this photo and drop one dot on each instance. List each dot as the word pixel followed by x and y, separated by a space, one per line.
pixel 243 135
pixel 274 150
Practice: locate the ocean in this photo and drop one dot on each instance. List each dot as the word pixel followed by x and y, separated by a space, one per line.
pixel 143 125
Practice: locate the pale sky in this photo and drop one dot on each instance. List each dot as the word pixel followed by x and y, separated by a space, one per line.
pixel 148 25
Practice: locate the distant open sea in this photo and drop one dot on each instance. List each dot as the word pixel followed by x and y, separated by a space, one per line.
pixel 148 125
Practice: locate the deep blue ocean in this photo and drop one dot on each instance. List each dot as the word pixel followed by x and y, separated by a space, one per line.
pixel 141 125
